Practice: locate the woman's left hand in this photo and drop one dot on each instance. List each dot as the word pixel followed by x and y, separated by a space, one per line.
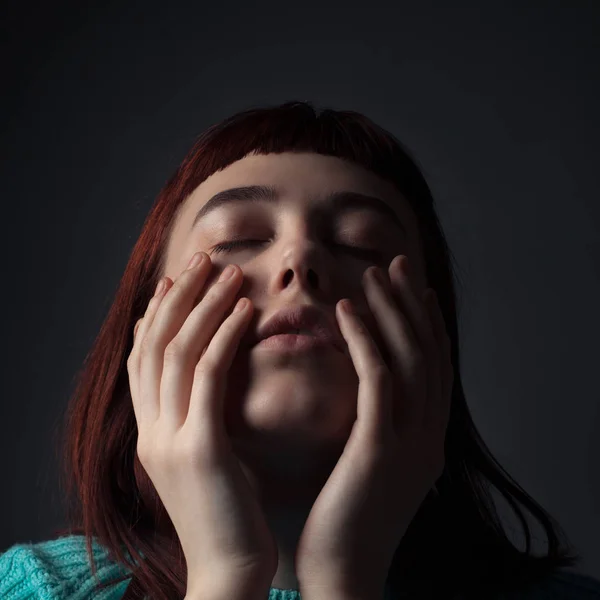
pixel 395 452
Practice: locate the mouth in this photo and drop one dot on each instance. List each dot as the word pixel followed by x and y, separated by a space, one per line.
pixel 301 326
pixel 297 341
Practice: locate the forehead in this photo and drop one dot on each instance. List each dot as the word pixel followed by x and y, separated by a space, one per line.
pixel 299 177
pixel 290 170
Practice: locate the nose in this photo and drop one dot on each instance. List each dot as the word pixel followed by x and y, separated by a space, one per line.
pixel 310 276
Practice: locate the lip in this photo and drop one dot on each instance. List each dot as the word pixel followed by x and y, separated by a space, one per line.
pixel 291 342
pixel 318 330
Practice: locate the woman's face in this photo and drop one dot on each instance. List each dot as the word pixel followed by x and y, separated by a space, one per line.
pixel 302 405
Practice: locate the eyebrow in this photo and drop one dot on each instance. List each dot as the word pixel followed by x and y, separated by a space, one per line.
pixel 341 201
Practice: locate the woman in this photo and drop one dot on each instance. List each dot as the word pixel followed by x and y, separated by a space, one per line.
pixel 209 457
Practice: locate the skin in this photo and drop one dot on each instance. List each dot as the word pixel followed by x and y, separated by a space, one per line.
pixel 289 416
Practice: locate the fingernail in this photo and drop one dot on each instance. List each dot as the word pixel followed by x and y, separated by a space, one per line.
pixel 378 275
pixel 160 287
pixel 227 273
pixel 195 260
pixel 347 307
pixel 241 305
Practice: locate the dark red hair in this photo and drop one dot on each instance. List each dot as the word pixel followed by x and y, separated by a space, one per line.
pixel 456 542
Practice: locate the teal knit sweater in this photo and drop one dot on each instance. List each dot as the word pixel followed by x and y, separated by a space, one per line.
pixel 59 570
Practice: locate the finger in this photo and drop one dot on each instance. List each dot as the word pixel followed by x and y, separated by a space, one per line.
pixel 440 412
pixel 404 354
pixel 374 403
pixel 142 322
pixel 403 290
pixel 140 330
pixel 135 329
pixel 142 325
pixel 164 323
pixel 206 411
pixel 428 386
pixel 184 358
pixel 418 314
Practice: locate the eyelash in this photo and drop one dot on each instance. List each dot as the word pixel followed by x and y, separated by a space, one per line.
pixel 229 246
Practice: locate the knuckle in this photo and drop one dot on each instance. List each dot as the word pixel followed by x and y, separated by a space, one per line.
pixel 131 361
pixel 214 295
pixel 151 449
pixel 146 344
pixel 204 368
pixel 180 282
pixel 142 452
pixel 175 349
pixel 173 291
pixel 380 373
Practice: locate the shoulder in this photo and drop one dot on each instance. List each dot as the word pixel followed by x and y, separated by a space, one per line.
pixel 564 585
pixel 56 570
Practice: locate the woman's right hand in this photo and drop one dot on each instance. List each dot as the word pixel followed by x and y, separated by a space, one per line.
pixel 178 376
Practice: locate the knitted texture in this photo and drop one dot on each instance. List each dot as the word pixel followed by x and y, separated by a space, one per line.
pixel 56 570
pixel 60 570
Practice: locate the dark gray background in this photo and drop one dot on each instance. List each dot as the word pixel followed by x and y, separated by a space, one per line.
pixel 497 100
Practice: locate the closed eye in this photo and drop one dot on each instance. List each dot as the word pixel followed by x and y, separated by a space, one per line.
pixel 363 252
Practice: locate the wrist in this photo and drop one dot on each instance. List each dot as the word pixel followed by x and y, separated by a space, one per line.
pixel 328 592
pixel 230 590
